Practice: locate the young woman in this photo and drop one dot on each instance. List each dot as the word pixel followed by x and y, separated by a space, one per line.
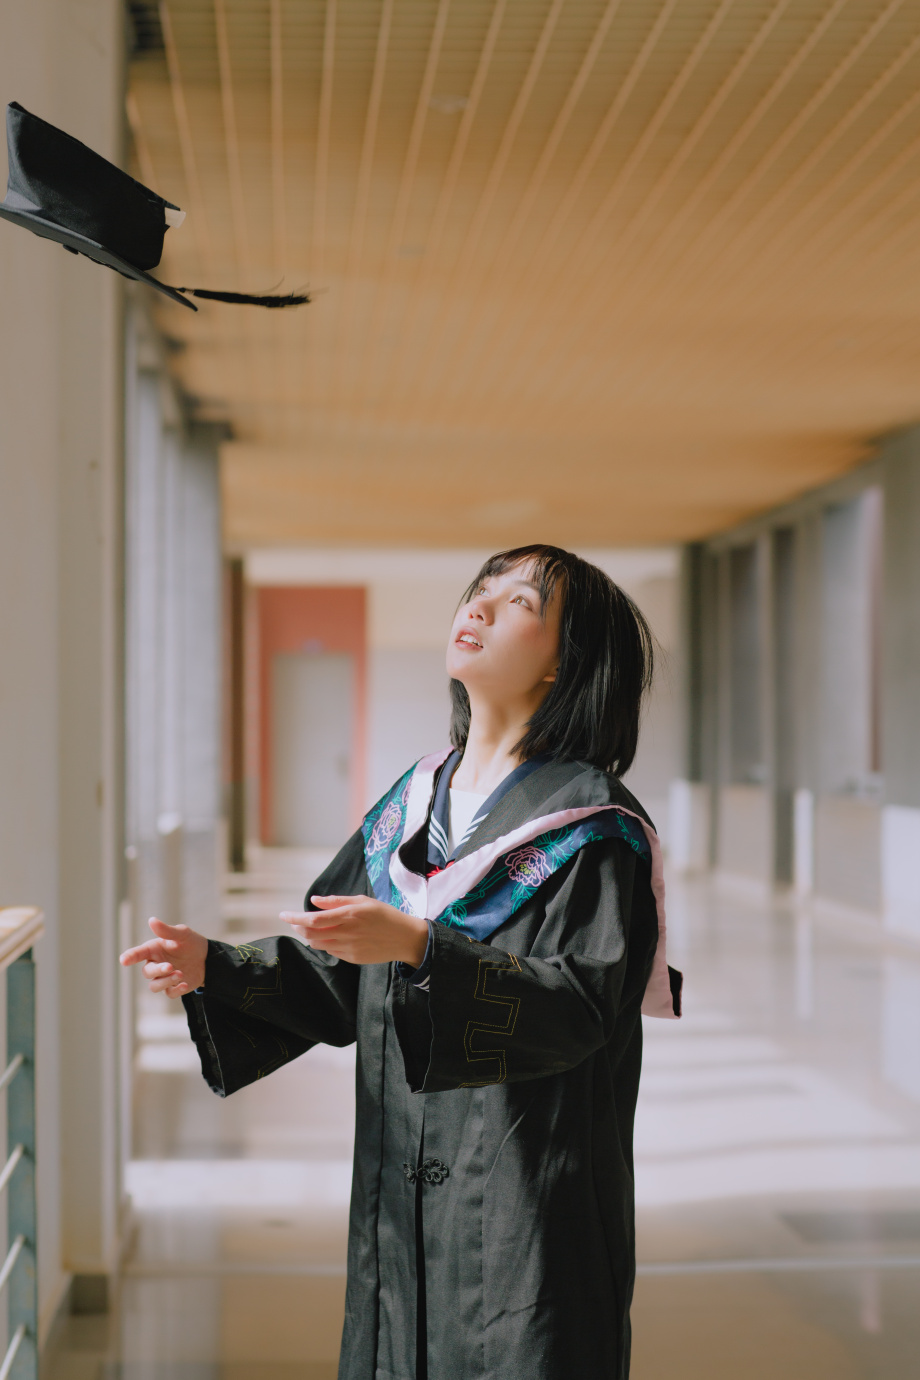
pixel 488 937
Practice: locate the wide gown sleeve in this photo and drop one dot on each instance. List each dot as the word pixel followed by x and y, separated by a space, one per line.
pixel 265 1003
pixel 491 1016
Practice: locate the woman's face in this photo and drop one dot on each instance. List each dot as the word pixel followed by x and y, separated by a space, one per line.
pixel 503 643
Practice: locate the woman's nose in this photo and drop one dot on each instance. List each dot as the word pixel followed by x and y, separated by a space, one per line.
pixel 480 609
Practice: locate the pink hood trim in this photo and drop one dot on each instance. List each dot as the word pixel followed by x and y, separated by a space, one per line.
pixel 429 897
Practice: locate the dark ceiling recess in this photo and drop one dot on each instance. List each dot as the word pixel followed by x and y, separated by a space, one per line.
pixel 146 35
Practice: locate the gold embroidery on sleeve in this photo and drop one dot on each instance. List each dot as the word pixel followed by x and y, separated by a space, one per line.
pixel 505 1028
pixel 270 986
pixel 282 1056
pixel 247 952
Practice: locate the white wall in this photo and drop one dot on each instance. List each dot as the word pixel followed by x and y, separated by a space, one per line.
pixel 412 596
pixel 60 390
pixel 408 709
pixel 410 610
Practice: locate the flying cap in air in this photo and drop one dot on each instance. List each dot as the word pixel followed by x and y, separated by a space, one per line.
pixel 62 190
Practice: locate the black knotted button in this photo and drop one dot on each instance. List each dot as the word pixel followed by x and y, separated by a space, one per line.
pixel 431 1172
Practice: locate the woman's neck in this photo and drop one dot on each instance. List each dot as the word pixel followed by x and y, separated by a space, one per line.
pixel 489 754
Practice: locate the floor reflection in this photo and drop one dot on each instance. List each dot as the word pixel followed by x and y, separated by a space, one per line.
pixel 778 1149
pixel 777 1180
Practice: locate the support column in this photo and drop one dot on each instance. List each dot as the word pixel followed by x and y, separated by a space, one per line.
pixel 200 633
pixel 900 723
pixel 60 619
pixel 90 714
pixel 173 646
pixel 690 803
pixel 237 710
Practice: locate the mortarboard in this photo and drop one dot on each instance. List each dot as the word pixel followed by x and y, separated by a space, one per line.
pixel 60 189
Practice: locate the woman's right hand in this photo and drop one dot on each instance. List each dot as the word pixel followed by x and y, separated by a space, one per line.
pixel 173 960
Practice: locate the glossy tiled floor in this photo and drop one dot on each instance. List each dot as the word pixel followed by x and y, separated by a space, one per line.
pixel 778 1148
pixel 778 1174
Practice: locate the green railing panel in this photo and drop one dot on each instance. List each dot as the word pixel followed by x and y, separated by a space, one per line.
pixel 19 1271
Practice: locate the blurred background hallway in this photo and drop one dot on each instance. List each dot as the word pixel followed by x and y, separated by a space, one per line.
pixel 640 279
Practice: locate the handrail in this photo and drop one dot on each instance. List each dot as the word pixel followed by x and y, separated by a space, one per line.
pixel 12 1255
pixel 11 1070
pixel 20 926
pixel 6 1173
pixel 18 1338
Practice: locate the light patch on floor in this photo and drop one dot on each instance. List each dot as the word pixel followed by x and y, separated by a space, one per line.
pixel 739 1329
pixel 203 1184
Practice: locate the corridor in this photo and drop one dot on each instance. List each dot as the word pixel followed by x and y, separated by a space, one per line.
pixel 634 278
pixel 778 1170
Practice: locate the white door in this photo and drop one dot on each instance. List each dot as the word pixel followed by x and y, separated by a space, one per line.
pixel 312 708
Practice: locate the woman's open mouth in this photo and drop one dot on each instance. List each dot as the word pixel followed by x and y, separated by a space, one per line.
pixel 468 639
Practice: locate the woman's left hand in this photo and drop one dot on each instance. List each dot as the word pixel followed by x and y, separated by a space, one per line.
pixel 360 929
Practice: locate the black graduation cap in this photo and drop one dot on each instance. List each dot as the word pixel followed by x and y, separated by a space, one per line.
pixel 60 189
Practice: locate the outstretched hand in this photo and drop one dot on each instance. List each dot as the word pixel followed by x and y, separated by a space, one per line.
pixel 173 960
pixel 359 929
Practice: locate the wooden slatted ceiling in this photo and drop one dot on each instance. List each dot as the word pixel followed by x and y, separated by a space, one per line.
pixel 593 271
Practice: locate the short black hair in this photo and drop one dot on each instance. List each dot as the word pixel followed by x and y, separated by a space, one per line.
pixel 606 658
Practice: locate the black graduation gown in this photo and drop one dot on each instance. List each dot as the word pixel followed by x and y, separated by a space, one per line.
pixel 491 1230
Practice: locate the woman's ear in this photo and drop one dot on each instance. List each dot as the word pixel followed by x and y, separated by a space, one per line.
pixel 551 677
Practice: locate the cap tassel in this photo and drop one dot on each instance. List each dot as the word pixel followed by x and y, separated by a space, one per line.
pixel 246 299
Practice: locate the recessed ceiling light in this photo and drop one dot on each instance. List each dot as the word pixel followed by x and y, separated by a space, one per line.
pixel 448 105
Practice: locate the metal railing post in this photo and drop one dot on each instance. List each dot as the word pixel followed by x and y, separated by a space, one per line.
pixel 22 1364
